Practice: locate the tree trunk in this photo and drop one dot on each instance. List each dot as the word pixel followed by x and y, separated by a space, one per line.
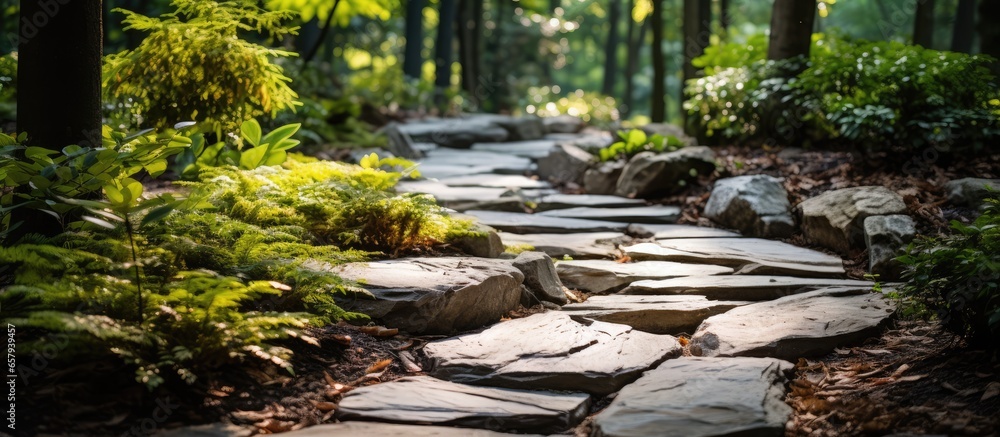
pixel 989 31
pixel 443 51
pixel 499 82
pixel 59 85
pixel 466 48
pixel 697 21
pixel 611 48
pixel 725 20
pixel 923 24
pixel 965 24
pixel 658 106
pixel 791 29
pixel 631 60
pixel 414 31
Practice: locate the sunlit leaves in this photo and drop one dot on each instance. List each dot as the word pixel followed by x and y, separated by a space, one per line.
pixel 346 9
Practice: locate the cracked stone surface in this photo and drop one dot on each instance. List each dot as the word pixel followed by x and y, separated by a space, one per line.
pixel 577 246
pixel 601 276
pixel 748 255
pixel 835 219
pixel 654 314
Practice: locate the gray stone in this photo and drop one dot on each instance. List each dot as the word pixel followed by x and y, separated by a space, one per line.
pixel 493 180
pixel 455 133
pixel 563 201
pixel 702 397
pixel 971 191
pixel 835 219
pixel 603 179
pixel 376 429
pixel 601 276
pixel 633 214
pixel 523 128
pixel 551 351
pixel 400 143
pixel 426 400
pixel 433 295
pixel 445 194
pixel 506 204
pixel 672 232
pixel 666 129
pixel 565 163
pixel 739 287
pixel 749 255
pixel 563 124
pixel 886 236
pixel 577 246
pixel 528 149
pixel 755 205
pixel 801 325
pixel 534 223
pixel 540 277
pixel 649 174
pixel 484 242
pixel 473 160
pixel 654 314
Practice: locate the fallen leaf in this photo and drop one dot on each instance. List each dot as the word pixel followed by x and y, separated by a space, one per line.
pixel 876 351
pixel 343 340
pixel 273 425
pixel 409 343
pixel 333 384
pixel 409 363
pixel 911 378
pixel 900 370
pixel 992 390
pixel 324 406
pixel 683 341
pixel 379 366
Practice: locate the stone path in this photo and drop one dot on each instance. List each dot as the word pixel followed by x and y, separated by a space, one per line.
pixel 751 307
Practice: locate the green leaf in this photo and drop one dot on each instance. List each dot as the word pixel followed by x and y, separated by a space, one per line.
pixel 275 157
pixel 251 131
pixel 279 135
pixel 158 213
pixel 131 190
pixel 39 154
pixel 253 158
pixel 157 167
pixel 636 137
pixel 114 195
pixel 97 221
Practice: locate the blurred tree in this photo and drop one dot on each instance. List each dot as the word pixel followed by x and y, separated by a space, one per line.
pixel 469 33
pixel 634 42
pixel 724 18
pixel 923 24
pixel 791 28
pixel 443 51
pixel 658 105
pixel 327 22
pixel 414 30
pixel 611 48
pixel 697 22
pixel 989 31
pixel 965 26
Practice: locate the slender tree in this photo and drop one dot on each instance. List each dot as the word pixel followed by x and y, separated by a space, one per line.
pixel 414 31
pixel 725 20
pixel 498 80
pixel 611 47
pixel 470 13
pixel 633 44
pixel 443 50
pixel 791 28
pixel 923 24
pixel 658 105
pixel 965 26
pixel 989 31
pixel 697 20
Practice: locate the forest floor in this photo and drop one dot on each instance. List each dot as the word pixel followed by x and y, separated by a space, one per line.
pixel 912 378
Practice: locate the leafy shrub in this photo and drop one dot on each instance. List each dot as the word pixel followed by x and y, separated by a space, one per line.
pixel 635 141
pixel 248 150
pixel 592 107
pixel 194 65
pixel 957 276
pixel 8 86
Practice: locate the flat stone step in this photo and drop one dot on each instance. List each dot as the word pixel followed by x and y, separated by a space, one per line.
pixel 427 400
pixel 577 246
pixel 493 180
pixel 564 201
pixel 669 232
pixel 445 194
pixel 802 325
pixel 748 255
pixel 738 287
pixel 433 295
pixel 376 429
pixel 601 276
pixel 551 351
pixel 633 214
pixel 533 149
pixel 654 314
pixel 701 397
pixel 534 223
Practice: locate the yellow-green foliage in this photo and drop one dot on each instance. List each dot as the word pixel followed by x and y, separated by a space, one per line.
pixel 193 65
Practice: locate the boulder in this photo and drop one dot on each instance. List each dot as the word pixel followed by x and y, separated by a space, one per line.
pixel 483 242
pixel 563 124
pixel 551 351
pixel 672 315
pixel 433 295
pixel 603 179
pixel 748 255
pixel 565 163
pixel 522 128
pixel 540 277
pixel 702 397
pixel 576 246
pixel 886 236
pixel 650 174
pixel 739 287
pixel 802 325
pixel 426 400
pixel 602 276
pixel 564 201
pixel 755 205
pixel 835 219
pixel 632 214
pixel 970 191
pixel 535 149
pixel 534 223
pixel 376 429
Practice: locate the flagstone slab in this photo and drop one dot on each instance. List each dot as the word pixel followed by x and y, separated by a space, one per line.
pixel 633 214
pixel 701 397
pixel 802 325
pixel 576 246
pixel 493 180
pixel 427 400
pixel 377 429
pixel 534 223
pixel 563 201
pixel 654 314
pixel 444 193
pixel 749 255
pixel 601 276
pixel 551 351
pixel 738 287
pixel 670 232
pixel 534 149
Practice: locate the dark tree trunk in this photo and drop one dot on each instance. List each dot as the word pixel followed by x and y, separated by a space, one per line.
pixel 725 20
pixel 59 85
pixel 658 106
pixel 466 48
pixel 443 51
pixel 989 31
pixel 632 46
pixel 611 48
pixel 791 29
pixel 327 23
pixel 414 24
pixel 497 79
pixel 923 24
pixel 697 22
pixel 965 26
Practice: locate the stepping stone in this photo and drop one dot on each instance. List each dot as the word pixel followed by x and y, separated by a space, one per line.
pixel 458 134
pixel 670 232
pixel 444 194
pixel 534 223
pixel 562 201
pixel 577 246
pixel 749 255
pixel 634 214
pixel 702 397
pixel 493 180
pixel 437 171
pixel 426 400
pixel 654 314
pixel 535 149
pixel 506 203
pixel 457 162
pixel 739 287
pixel 433 295
pixel 375 429
pixel 600 276
pixel 551 351
pixel 802 325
